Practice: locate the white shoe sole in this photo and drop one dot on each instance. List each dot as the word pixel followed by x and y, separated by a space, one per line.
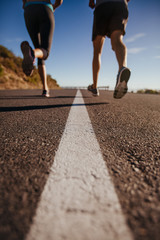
pixel 27 63
pixel 121 88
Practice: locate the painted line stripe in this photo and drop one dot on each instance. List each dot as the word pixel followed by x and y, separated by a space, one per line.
pixel 79 201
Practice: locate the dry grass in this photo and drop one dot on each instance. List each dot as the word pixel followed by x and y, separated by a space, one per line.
pixel 12 76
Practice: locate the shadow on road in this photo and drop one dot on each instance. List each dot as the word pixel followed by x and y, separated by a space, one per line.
pixel 35 97
pixel 26 108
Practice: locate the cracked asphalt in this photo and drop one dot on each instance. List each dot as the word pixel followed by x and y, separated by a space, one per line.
pixel 128 132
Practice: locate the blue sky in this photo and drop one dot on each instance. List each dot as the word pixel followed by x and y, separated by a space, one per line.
pixel 70 60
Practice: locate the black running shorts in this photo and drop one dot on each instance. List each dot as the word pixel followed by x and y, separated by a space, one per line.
pixel 40 24
pixel 108 17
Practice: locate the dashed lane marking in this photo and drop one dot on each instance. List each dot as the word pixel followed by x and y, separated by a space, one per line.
pixel 79 201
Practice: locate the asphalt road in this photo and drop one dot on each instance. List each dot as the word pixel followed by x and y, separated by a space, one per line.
pixel 127 130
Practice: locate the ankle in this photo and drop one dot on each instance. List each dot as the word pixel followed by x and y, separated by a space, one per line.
pixel 94 86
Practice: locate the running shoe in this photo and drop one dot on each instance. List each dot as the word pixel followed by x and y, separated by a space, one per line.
pixel 28 58
pixel 94 91
pixel 121 85
pixel 45 93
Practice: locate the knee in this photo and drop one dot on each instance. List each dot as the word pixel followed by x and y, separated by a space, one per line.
pixel 114 43
pixel 45 53
pixel 97 51
pixel 116 40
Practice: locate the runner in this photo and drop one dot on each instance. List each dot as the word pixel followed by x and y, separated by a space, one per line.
pixel 110 19
pixel 40 24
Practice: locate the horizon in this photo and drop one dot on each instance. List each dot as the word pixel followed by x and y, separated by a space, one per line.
pixel 70 60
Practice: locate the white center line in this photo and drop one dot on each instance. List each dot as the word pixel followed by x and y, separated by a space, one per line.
pixel 79 201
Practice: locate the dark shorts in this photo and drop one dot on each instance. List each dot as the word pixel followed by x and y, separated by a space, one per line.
pixel 40 24
pixel 108 17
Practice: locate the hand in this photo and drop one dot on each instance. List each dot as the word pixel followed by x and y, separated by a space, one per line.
pixel 24 1
pixel 91 4
pixel 57 4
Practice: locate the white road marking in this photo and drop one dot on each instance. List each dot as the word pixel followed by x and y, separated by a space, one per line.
pixel 79 201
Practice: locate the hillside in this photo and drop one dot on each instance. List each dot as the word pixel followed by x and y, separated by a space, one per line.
pixel 12 76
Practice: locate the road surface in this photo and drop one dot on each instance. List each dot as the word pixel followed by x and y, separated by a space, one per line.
pixel 80 167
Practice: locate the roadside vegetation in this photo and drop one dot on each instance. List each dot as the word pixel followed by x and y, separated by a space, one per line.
pixel 12 76
pixel 148 91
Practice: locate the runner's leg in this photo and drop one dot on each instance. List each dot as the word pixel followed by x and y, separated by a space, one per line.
pixel 96 64
pixel 119 48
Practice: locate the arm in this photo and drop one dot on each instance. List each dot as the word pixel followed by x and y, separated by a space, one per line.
pixel 91 4
pixel 24 1
pixel 57 4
